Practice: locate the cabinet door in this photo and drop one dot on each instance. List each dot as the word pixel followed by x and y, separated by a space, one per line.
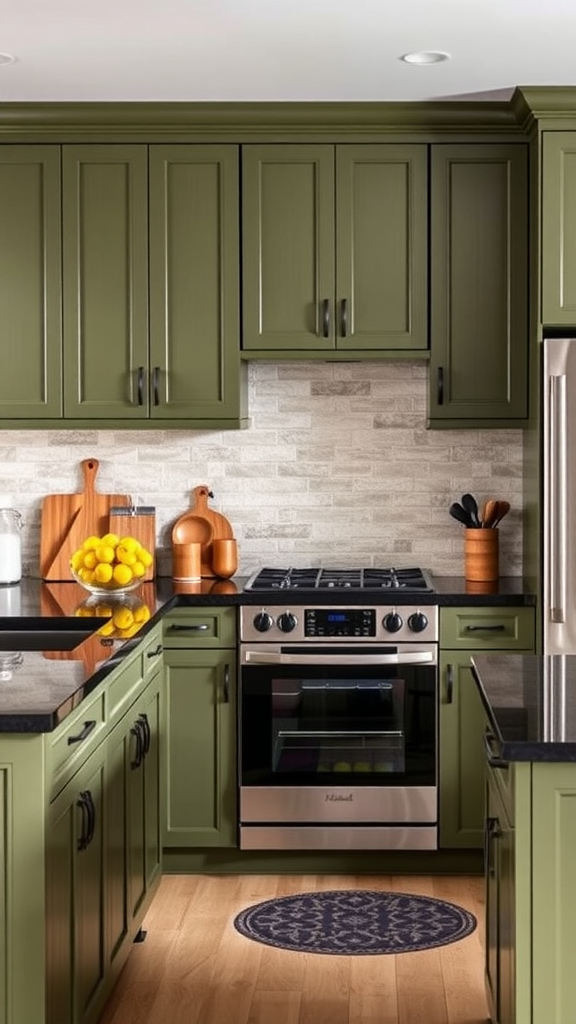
pixel 75 888
pixel 132 819
pixel 462 760
pixel 500 908
pixel 559 228
pixel 194 282
pixel 105 260
pixel 200 785
pixel 479 282
pixel 288 240
pixel 382 247
pixel 30 282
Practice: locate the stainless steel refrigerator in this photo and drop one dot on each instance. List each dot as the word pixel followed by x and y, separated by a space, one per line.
pixel 559 496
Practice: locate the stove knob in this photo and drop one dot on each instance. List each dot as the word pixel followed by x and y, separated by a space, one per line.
pixel 287 622
pixel 263 622
pixel 417 622
pixel 392 622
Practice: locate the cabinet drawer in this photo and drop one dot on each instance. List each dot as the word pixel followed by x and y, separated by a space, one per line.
pixel 202 627
pixel 487 628
pixel 122 689
pixel 69 745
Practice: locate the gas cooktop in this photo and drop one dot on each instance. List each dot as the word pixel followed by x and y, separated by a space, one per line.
pixel 407 580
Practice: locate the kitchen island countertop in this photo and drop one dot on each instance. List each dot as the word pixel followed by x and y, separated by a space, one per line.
pixel 530 701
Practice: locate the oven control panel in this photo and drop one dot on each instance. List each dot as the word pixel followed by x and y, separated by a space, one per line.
pixel 336 622
pixel 376 623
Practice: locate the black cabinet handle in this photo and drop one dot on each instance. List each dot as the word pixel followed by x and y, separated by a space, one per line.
pixel 440 385
pixel 87 729
pixel 146 734
pixel 496 628
pixel 141 377
pixel 154 654
pixel 136 732
pixel 156 385
pixel 344 318
pixel 91 817
pixel 492 831
pixel 226 684
pixel 325 318
pixel 199 627
pixel 82 803
pixel 493 760
pixel 449 684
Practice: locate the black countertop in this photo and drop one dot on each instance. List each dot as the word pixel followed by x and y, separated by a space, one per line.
pixel 39 688
pixel 530 700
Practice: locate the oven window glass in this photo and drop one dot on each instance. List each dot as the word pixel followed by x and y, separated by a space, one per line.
pixel 339 725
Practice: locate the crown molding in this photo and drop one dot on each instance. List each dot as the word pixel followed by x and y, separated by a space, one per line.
pixel 244 121
pixel 531 104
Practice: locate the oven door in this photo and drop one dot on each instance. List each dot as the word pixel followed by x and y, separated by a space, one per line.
pixel 333 734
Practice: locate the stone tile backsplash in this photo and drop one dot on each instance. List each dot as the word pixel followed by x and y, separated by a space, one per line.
pixel 336 468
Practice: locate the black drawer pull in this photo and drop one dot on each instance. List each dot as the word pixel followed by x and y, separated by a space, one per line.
pixel 325 318
pixel 154 654
pixel 491 757
pixel 200 627
pixel 449 684
pixel 88 728
pixel 485 629
pixel 440 386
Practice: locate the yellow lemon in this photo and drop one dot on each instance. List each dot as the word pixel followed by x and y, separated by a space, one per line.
pixel 103 609
pixel 87 575
pixel 145 557
pixel 103 572
pixel 123 618
pixel 125 555
pixel 90 559
pixel 142 614
pixel 130 543
pixel 111 539
pixel 122 574
pixel 91 542
pixel 104 553
pixel 138 570
pixel 77 559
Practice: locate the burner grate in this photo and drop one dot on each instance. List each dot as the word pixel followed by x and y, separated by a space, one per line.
pixel 409 580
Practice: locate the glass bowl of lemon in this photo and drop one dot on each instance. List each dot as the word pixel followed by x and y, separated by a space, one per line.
pixel 110 564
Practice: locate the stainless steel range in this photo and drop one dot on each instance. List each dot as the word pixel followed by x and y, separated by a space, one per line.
pixel 339 710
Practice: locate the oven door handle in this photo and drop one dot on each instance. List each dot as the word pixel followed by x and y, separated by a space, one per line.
pixel 268 658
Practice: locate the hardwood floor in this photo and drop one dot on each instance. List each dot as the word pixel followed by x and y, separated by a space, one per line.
pixel 195 968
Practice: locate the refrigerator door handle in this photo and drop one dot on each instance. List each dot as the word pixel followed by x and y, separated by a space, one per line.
pixel 558 468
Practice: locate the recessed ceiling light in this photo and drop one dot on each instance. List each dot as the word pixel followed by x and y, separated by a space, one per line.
pixel 7 58
pixel 425 57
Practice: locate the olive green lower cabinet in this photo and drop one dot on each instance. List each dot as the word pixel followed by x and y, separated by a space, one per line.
pixel 531 893
pixel 80 846
pixel 200 781
pixel 463 633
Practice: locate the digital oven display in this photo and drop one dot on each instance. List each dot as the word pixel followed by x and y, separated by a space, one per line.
pixel 343 622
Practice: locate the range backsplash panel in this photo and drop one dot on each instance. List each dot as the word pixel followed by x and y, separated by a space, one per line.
pixel 337 468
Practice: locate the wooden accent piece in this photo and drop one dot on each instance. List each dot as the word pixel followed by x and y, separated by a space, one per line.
pixel 67 519
pixel 204 525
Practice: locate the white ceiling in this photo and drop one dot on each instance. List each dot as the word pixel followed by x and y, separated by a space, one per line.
pixel 232 50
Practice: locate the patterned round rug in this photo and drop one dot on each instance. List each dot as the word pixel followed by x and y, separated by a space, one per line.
pixel 354 922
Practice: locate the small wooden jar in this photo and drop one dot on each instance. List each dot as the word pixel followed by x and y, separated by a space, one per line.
pixel 481 562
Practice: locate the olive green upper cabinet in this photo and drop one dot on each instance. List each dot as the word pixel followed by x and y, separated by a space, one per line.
pixel 559 228
pixel 479 285
pixel 151 283
pixel 30 281
pixel 334 250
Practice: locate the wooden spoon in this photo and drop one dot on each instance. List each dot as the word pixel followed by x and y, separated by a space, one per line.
pixel 488 516
pixel 502 509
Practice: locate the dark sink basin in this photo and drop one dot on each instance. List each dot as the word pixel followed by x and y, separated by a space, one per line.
pixel 46 634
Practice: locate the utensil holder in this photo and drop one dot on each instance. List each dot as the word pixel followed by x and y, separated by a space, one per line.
pixel 224 556
pixel 186 561
pixel 481 561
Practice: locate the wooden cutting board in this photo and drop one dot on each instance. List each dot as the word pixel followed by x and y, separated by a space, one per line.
pixel 202 524
pixel 67 519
